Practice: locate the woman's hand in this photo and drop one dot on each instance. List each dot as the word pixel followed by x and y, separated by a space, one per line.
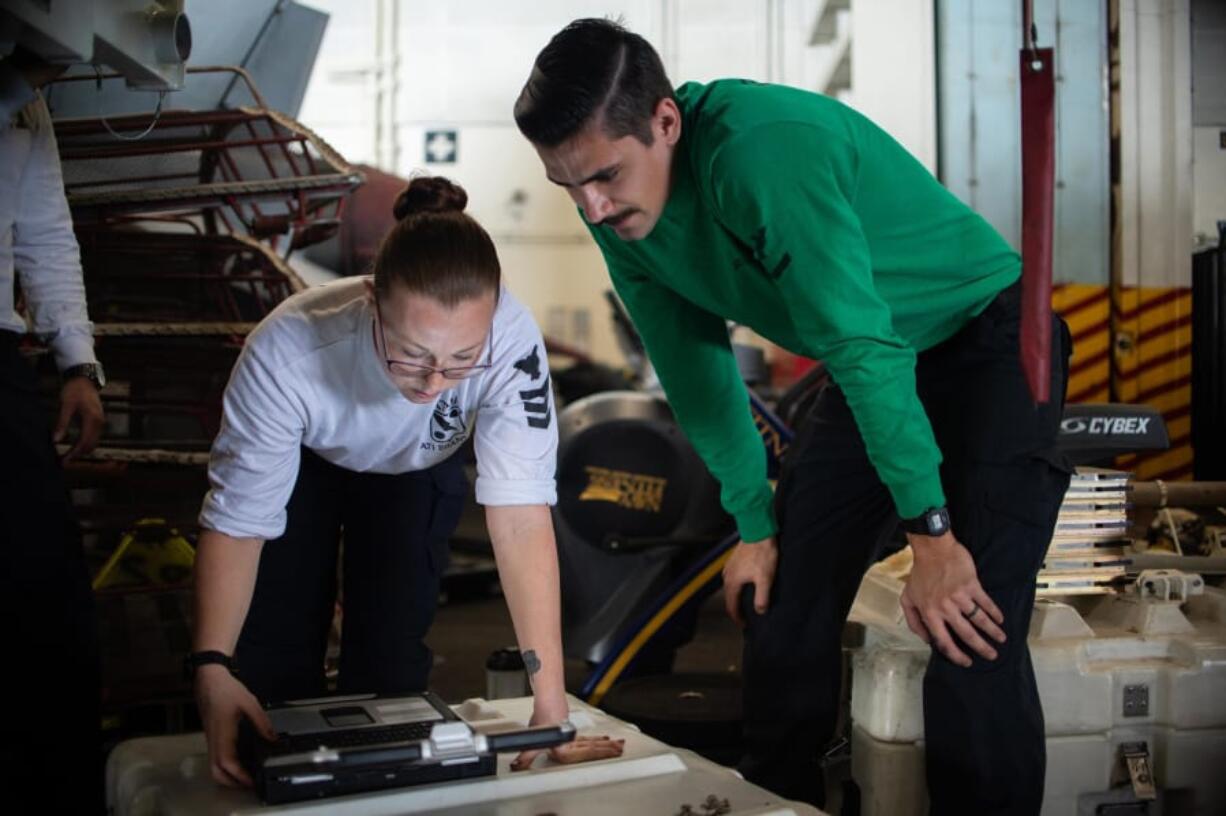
pixel 223 701
pixel 581 749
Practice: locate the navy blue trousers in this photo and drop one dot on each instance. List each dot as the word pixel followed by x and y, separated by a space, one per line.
pixel 52 746
pixel 396 530
pixel 1004 481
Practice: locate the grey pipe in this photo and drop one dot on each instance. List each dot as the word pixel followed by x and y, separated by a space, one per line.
pixel 1200 564
pixel 1159 493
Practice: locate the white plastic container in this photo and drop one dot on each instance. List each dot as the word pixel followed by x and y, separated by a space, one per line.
pixel 169 776
pixel 1110 670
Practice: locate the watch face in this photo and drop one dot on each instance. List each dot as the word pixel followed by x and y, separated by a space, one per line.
pixel 938 522
pixel 99 375
pixel 932 522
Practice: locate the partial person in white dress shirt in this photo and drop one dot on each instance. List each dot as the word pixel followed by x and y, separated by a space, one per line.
pixel 345 412
pixel 51 752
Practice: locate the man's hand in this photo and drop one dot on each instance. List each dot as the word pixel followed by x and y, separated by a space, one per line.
pixel 79 397
pixel 751 562
pixel 581 749
pixel 222 701
pixel 943 593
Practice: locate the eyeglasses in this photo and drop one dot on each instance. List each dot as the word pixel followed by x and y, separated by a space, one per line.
pixel 404 368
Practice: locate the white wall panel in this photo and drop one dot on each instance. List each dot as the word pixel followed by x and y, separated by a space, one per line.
pixel 1208 117
pixel 1155 143
pixel 460 65
pixel 893 71
pixel 980 122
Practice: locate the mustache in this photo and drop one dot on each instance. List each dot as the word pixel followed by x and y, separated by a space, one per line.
pixel 616 218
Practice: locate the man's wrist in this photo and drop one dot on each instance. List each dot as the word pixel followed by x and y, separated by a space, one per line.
pixel 93 372
pixel 933 522
pixel 923 545
pixel 757 521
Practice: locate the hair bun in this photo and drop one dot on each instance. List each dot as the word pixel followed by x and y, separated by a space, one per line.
pixel 429 194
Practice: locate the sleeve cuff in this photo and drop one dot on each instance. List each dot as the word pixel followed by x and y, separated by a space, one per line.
pixel 213 518
pixel 72 349
pixel 913 498
pixel 508 492
pixel 757 522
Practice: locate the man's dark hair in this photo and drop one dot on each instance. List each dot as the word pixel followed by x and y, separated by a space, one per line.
pixel 592 68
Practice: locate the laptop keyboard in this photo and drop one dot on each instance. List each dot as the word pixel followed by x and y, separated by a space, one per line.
pixel 360 736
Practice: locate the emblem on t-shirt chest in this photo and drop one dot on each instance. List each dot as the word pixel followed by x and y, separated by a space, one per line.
pixel 447 425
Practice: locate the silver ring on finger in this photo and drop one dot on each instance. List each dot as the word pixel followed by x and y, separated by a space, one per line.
pixel 974 610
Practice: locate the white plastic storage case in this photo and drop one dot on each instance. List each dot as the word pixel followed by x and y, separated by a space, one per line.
pixel 1111 670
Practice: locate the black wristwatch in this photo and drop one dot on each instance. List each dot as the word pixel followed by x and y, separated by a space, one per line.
pixel 932 522
pixel 90 371
pixel 197 659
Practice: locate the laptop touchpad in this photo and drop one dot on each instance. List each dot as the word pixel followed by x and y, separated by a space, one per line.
pixel 346 716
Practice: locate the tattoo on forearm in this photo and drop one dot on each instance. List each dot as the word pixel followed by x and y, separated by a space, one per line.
pixel 532 663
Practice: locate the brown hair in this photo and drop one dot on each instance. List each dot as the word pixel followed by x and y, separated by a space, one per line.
pixel 435 249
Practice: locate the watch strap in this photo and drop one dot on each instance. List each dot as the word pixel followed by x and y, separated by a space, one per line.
pixel 90 371
pixel 932 522
pixel 195 660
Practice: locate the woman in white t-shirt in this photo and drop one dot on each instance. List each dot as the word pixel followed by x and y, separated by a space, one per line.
pixel 343 413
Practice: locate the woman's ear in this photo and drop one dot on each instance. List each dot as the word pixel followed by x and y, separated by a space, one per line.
pixel 369 283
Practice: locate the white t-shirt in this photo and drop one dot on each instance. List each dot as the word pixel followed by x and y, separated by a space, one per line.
pixel 309 376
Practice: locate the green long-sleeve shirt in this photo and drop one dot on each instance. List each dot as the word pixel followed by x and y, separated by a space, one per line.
pixel 794 215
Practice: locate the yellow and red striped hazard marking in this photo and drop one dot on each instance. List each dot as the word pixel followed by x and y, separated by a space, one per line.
pixel 1151 364
pixel 1087 310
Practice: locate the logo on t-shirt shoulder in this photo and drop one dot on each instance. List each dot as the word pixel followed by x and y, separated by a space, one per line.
pixel 536 405
pixel 531 364
pixel 447 425
pixel 536 400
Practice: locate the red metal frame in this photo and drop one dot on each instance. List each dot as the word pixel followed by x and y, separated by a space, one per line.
pixel 249 170
pixel 152 278
pixel 183 235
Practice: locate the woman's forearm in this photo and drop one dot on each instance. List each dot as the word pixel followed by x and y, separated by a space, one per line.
pixel 225 581
pixel 527 556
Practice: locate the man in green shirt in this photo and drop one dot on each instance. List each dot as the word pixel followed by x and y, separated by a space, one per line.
pixel 790 213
